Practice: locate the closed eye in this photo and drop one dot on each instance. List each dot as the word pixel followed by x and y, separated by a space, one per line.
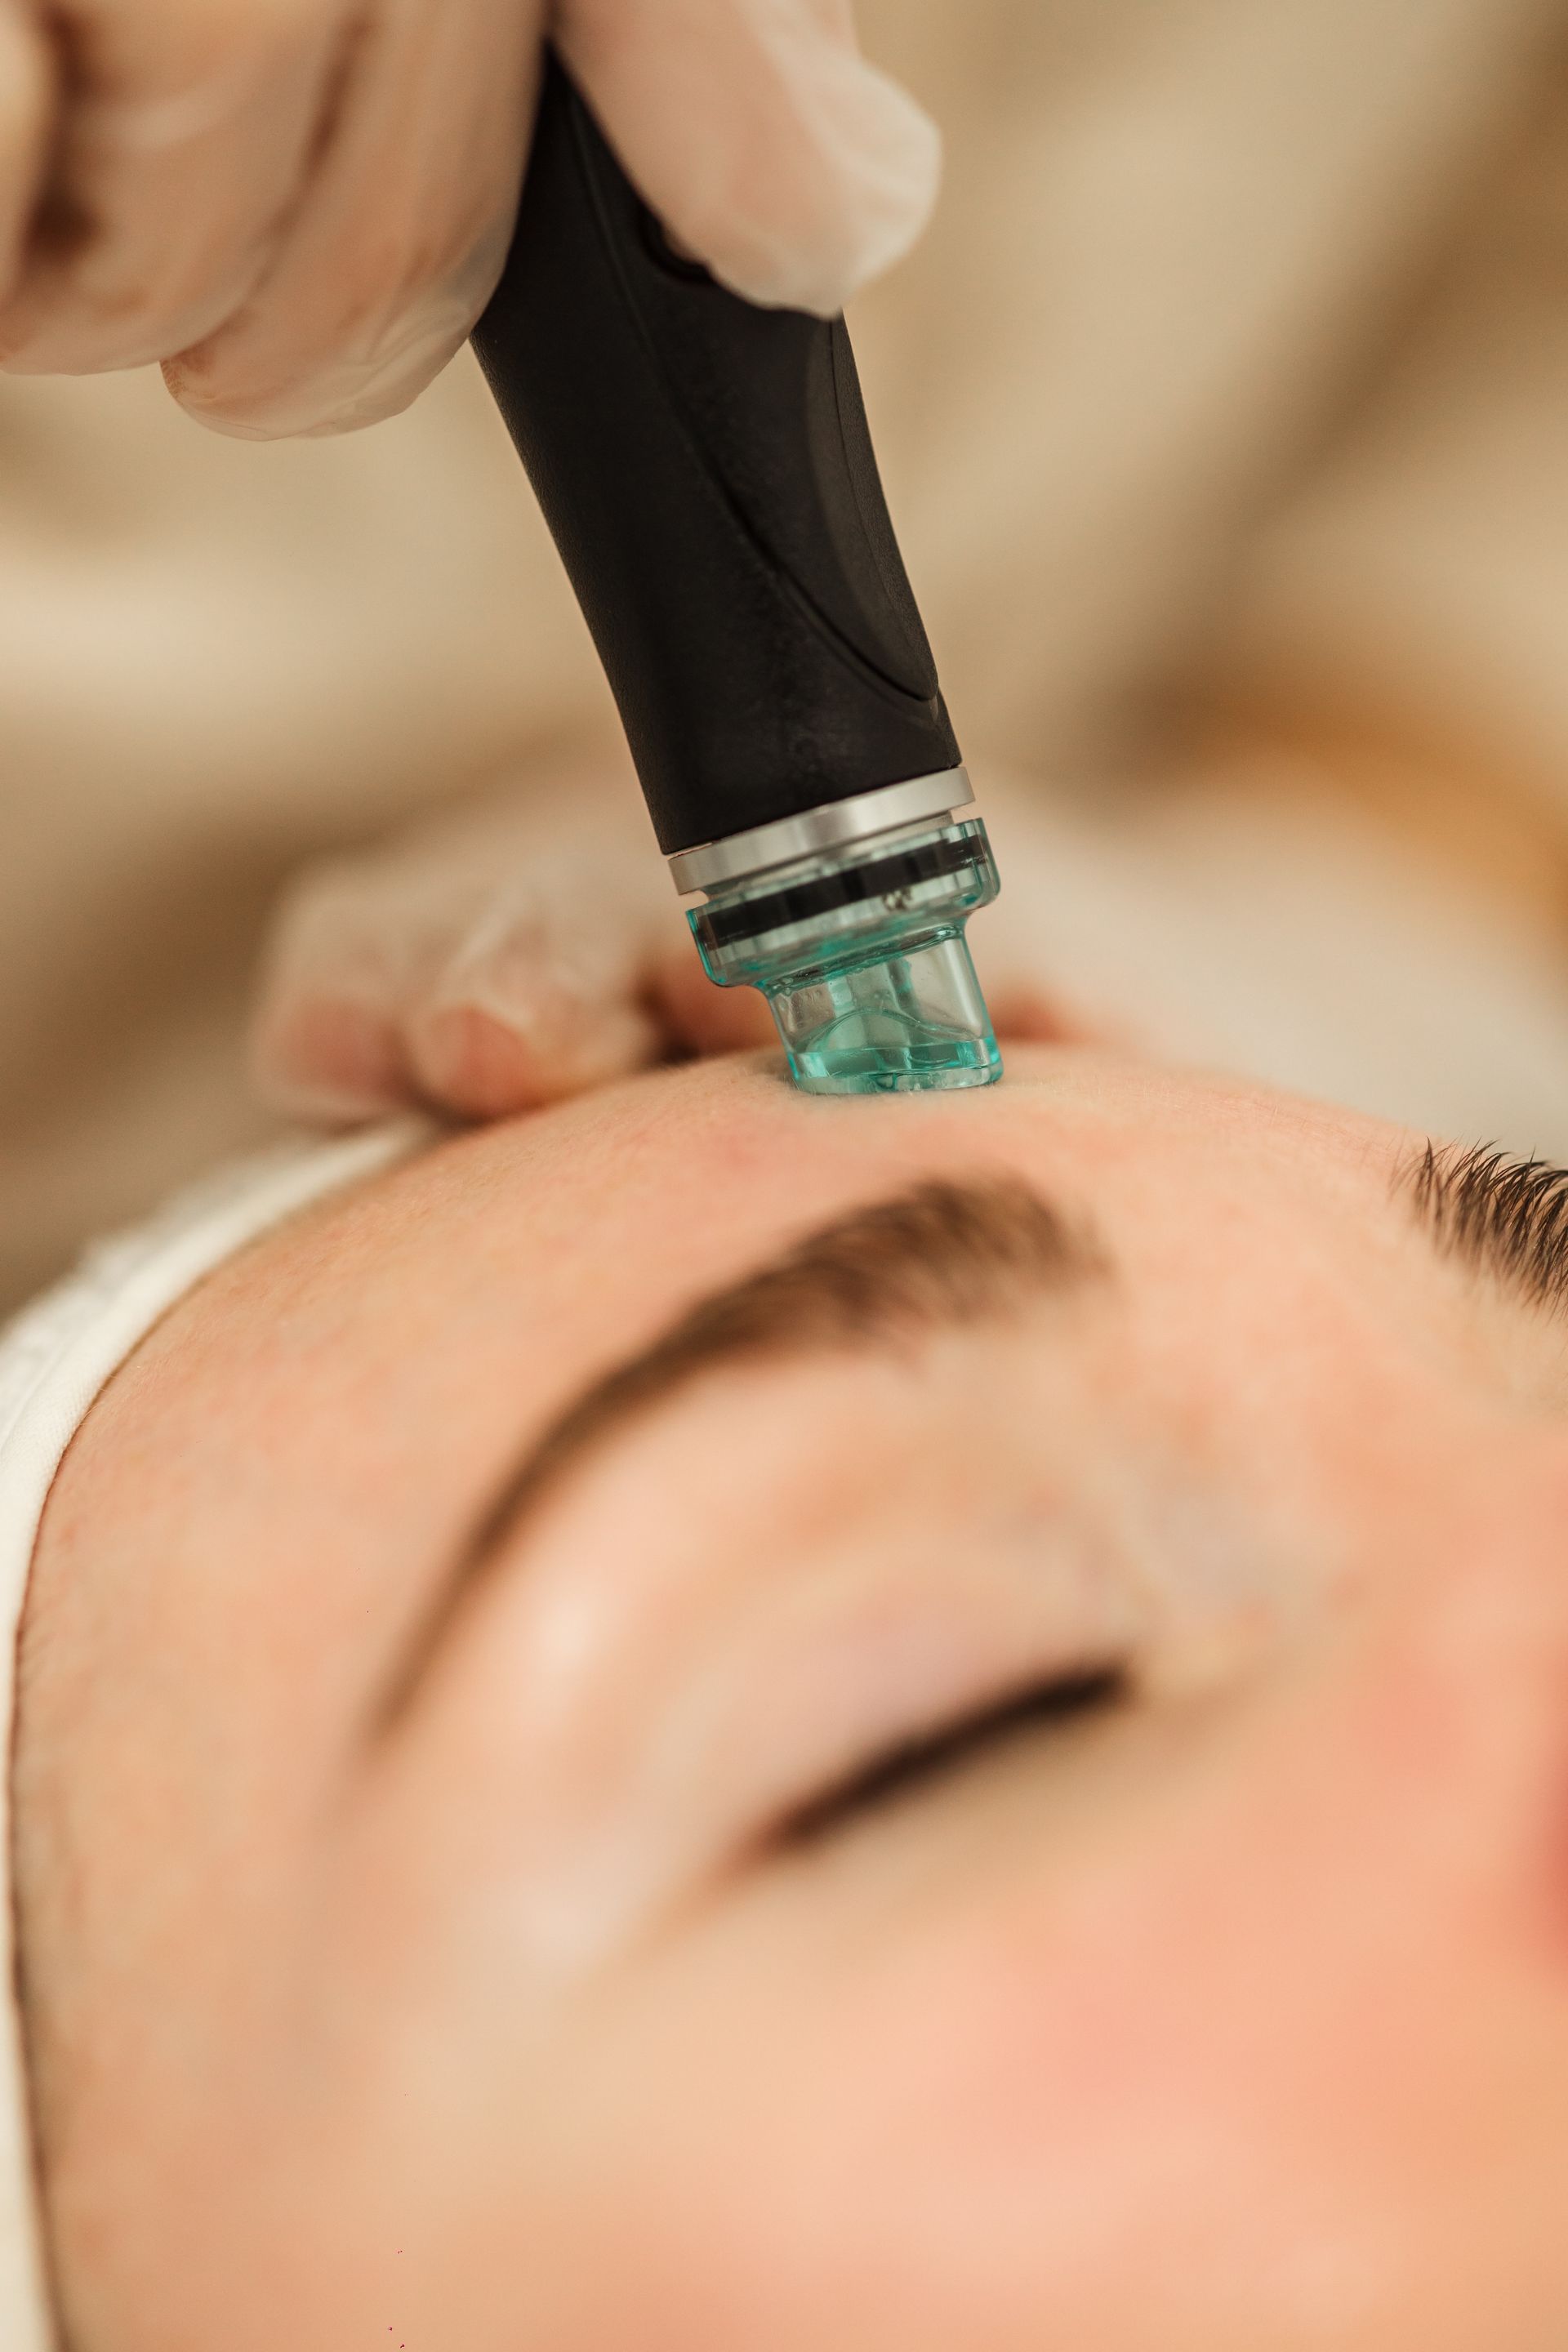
pixel 897 1772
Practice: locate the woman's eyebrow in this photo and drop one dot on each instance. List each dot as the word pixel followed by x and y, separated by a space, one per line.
pixel 943 1256
pixel 1503 1216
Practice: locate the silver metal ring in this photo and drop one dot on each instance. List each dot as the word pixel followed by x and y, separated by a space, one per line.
pixel 830 827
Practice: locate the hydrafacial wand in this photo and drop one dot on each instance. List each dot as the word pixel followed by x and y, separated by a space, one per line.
pixel 706 472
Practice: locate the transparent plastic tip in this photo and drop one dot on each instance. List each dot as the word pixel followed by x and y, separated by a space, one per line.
pixel 904 1023
pixel 861 955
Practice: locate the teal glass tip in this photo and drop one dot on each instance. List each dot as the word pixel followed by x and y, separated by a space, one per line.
pixel 862 956
pixel 902 1024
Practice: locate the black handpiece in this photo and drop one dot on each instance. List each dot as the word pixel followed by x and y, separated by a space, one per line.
pixel 706 470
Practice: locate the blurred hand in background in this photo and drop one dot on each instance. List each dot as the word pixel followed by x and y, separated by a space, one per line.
pixel 300 206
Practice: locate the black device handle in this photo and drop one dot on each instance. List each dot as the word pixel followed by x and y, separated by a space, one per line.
pixel 707 471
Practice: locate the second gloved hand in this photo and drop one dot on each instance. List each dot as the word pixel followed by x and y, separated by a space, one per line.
pixel 301 207
pixel 486 964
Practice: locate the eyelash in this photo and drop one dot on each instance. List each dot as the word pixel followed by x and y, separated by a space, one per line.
pixel 1498 1214
pixel 913 1764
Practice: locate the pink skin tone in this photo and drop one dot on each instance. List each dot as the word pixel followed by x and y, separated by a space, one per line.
pixel 1232 2018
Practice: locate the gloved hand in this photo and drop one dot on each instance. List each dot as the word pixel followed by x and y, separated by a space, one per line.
pixel 487 964
pixel 490 963
pixel 300 206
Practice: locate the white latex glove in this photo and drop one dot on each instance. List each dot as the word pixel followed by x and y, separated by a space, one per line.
pixel 491 964
pixel 488 964
pixel 301 207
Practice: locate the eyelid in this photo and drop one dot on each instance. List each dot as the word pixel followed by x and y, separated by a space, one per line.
pixel 655 1684
pixel 763 1715
pixel 916 1762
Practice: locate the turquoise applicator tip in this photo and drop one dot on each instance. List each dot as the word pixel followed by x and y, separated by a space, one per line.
pixel 861 954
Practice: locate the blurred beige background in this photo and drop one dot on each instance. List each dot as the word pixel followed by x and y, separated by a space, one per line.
pixel 1225 422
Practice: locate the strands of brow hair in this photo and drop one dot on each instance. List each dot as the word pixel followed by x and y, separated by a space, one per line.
pixel 1502 1215
pixel 945 1256
pixel 941 1257
pixel 942 1254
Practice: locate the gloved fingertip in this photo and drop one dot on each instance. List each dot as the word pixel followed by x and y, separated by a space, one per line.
pixel 877 195
pixel 469 1062
pixel 862 182
pixel 330 1062
pixel 312 408
pixel 234 425
pixel 475 1066
pixel 255 381
pixel 764 141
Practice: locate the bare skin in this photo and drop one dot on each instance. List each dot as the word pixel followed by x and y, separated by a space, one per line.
pixel 1226 2012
